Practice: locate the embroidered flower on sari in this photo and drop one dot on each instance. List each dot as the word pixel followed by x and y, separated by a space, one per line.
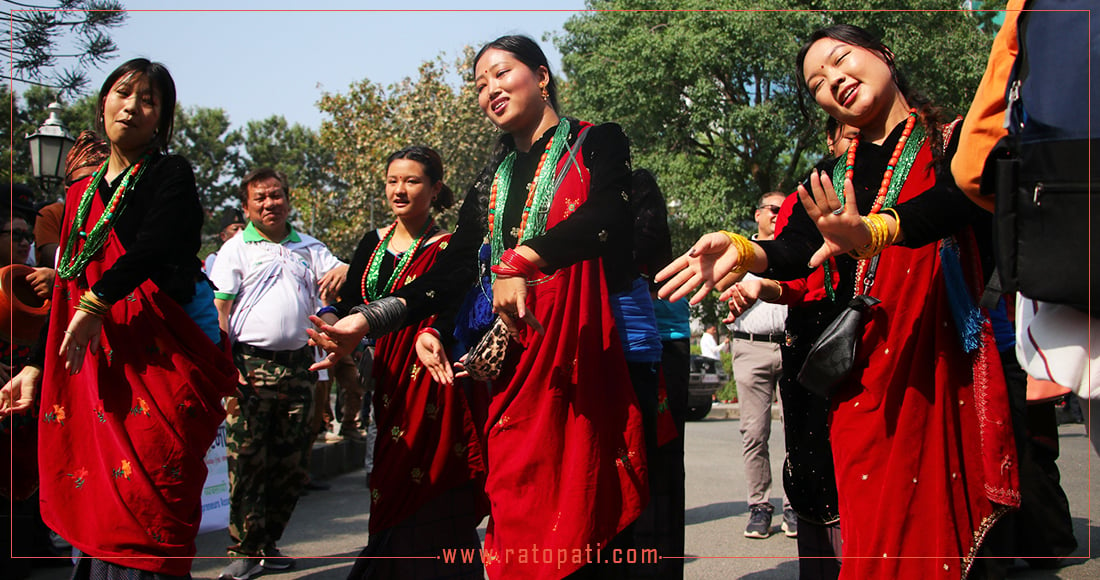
pixel 460 449
pixel 571 206
pixel 414 370
pixel 141 408
pixel 124 471
pixel 375 495
pixel 56 416
pixel 99 413
pixel 397 433
pixel 431 411
pixel 79 476
pixel 417 475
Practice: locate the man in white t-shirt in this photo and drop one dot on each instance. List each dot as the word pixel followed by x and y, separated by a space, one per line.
pixel 269 280
pixel 710 347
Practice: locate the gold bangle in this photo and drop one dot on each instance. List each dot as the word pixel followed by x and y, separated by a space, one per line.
pixel 897 228
pixel 876 226
pixel 779 288
pixel 745 252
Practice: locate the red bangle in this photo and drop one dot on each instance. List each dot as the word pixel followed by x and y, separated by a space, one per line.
pixel 431 331
pixel 512 263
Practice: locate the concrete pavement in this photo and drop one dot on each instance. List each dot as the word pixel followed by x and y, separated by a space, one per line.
pixel 329 527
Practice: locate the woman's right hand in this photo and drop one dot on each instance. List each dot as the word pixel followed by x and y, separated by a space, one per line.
pixel 706 264
pixel 338 340
pixel 18 395
pixel 434 358
pixel 741 296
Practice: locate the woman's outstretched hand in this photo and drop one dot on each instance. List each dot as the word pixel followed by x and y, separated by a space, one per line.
pixel 708 264
pixel 841 226
pixel 338 340
pixel 430 351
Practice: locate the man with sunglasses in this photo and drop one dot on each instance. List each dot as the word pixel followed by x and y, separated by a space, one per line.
pixel 757 366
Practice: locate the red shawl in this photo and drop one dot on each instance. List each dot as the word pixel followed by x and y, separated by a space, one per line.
pixel 921 435
pixel 566 449
pixel 121 443
pixel 427 437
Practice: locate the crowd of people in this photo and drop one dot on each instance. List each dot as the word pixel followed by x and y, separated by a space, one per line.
pixel 526 366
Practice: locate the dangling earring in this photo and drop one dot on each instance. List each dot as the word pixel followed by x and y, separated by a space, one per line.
pixel 545 93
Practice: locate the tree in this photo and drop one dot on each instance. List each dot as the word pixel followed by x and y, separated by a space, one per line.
pixel 297 151
pixel 202 135
pixel 34 44
pixel 369 122
pixel 710 99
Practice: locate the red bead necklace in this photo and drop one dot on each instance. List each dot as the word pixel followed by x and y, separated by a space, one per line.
pixel 850 162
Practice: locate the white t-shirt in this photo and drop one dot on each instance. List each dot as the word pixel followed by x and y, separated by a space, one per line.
pixel 708 347
pixel 273 286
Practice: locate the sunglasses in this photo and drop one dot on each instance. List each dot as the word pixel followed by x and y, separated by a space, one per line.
pixel 772 208
pixel 19 235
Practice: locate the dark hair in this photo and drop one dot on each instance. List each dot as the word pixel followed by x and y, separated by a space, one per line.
pixel 260 174
pixel 931 116
pixel 433 168
pixel 831 126
pixel 88 151
pixel 528 52
pixel 161 81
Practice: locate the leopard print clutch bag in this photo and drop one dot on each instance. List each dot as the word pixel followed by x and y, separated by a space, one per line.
pixel 485 360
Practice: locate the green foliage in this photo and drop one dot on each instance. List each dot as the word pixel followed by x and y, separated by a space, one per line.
pixel 73 34
pixel 710 99
pixel 297 151
pixel 202 135
pixel 370 122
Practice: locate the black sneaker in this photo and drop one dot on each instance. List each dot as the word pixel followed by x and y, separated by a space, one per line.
pixel 790 523
pixel 241 569
pixel 275 560
pixel 760 521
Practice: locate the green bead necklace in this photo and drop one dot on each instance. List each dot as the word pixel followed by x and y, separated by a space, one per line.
pixel 72 265
pixel 369 284
pixel 540 193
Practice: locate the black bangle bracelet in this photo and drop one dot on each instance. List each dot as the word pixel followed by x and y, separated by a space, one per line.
pixel 383 316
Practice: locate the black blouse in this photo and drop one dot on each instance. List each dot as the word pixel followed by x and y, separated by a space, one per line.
pixel 160 228
pixel 599 228
pixel 938 212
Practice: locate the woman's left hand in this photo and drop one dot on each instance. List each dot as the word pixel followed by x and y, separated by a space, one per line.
pixel 510 303
pixel 81 335
pixel 841 226
pixel 434 358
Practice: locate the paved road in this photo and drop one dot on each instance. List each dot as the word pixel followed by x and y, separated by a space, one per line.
pixel 330 526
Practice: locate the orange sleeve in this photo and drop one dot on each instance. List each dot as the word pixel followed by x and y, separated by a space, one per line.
pixel 984 123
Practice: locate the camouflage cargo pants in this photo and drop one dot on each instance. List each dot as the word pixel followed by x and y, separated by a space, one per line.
pixel 268 441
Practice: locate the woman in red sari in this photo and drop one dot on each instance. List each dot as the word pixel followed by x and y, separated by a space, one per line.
pixel 131 373
pixel 920 429
pixel 426 485
pixel 564 437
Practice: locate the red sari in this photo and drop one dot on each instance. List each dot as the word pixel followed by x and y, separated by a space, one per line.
pixel 564 440
pixel 122 442
pixel 427 437
pixel 921 435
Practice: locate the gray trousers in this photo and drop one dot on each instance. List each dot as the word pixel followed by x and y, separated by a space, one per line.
pixel 756 369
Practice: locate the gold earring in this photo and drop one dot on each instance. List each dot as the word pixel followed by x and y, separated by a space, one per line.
pixel 545 93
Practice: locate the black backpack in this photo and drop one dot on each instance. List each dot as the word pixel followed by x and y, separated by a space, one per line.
pixel 1040 173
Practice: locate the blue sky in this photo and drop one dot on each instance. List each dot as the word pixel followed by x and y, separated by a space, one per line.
pixel 255 64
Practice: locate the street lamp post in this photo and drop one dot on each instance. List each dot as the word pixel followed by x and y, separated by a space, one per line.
pixel 49 147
